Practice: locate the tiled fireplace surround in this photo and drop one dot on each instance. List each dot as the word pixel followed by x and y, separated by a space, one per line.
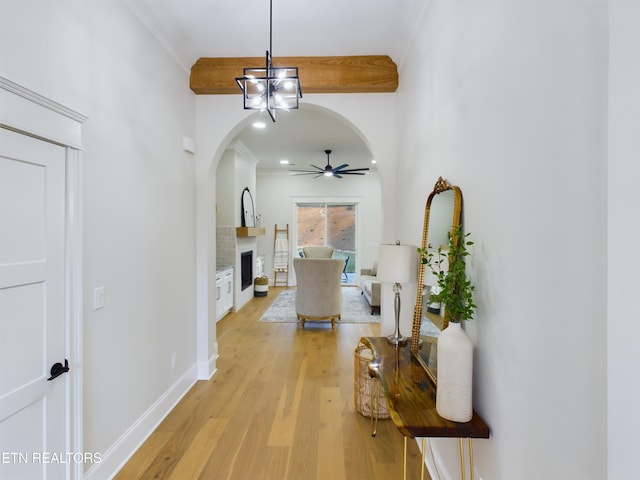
pixel 228 250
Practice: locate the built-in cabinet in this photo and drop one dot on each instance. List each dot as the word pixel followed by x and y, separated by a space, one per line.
pixel 224 292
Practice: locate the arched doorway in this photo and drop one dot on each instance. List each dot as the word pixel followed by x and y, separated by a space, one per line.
pixel 369 124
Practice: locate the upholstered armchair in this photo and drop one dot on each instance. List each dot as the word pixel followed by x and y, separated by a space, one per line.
pixel 317 252
pixel 318 292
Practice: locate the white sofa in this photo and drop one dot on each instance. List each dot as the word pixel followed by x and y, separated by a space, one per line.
pixel 370 286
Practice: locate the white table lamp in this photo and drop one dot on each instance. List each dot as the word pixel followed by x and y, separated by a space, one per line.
pixel 398 264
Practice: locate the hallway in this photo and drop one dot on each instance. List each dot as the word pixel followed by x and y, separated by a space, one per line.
pixel 279 407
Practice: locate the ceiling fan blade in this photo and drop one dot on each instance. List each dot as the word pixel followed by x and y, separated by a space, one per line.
pixel 344 165
pixel 328 170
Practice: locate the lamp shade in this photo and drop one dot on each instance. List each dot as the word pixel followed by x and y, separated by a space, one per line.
pixel 398 263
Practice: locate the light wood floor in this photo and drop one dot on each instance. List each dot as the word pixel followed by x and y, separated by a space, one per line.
pixel 280 406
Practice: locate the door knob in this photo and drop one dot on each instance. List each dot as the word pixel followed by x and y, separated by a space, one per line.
pixel 58 369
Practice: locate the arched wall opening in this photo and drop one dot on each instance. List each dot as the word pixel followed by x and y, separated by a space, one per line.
pixel 220 119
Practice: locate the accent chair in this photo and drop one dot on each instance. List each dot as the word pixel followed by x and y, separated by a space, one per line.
pixel 317 252
pixel 318 292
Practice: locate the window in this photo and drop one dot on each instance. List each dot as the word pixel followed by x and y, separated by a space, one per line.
pixel 331 225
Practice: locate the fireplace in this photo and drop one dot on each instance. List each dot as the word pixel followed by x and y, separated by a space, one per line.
pixel 246 269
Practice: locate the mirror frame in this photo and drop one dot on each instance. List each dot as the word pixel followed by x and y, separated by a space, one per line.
pixel 440 186
pixel 247 219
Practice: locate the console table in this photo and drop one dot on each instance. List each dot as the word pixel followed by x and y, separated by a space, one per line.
pixel 411 398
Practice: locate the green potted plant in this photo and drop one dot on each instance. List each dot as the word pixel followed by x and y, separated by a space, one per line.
pixel 455 349
pixel 454 289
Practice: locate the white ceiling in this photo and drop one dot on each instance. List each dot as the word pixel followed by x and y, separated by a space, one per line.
pixel 301 136
pixel 191 29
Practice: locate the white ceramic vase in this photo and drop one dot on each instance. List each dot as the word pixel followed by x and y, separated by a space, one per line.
pixel 455 374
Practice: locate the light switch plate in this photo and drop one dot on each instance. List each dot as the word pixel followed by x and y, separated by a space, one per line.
pixel 98 298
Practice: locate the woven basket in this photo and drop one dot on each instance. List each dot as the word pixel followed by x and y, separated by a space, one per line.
pixel 260 286
pixel 363 383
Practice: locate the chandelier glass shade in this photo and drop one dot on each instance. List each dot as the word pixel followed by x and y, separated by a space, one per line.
pixel 270 88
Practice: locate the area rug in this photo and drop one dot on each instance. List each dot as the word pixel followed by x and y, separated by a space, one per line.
pixel 355 308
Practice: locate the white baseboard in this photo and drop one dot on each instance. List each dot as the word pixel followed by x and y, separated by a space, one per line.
pixel 213 368
pixel 124 448
pixel 207 368
pixel 438 467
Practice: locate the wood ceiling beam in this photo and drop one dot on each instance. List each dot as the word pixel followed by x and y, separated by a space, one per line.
pixel 351 74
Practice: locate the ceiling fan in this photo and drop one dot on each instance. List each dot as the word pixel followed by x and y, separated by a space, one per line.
pixel 329 171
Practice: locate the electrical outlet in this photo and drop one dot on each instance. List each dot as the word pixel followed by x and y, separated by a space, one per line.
pixel 174 360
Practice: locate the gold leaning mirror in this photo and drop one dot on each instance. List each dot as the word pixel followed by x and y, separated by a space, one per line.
pixel 442 212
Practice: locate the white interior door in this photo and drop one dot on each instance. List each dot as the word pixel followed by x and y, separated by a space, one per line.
pixel 34 416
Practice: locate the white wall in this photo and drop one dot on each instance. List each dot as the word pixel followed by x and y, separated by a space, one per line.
pixel 244 177
pixel 139 202
pixel 623 175
pixel 226 191
pixel 508 100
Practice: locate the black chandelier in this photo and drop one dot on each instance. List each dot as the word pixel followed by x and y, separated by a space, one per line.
pixel 270 88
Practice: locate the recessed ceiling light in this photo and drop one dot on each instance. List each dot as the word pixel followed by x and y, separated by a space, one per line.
pixel 373 161
pixel 284 162
pixel 259 125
